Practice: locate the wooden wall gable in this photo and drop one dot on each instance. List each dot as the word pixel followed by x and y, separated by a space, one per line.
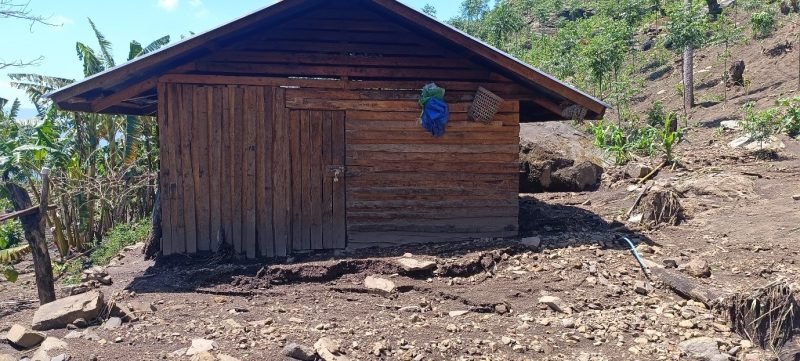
pixel 349 42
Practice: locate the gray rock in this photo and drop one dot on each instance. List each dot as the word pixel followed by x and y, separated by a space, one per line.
pixel 50 344
pixel 22 337
pixel 300 352
pixel 379 284
pixel 556 304
pixel 704 348
pixel 636 170
pixel 643 288
pixel 113 322
pixel 670 263
pixel 416 265
pixel 60 313
pixel 224 357
pixel 61 357
pixel 329 350
pixel 7 357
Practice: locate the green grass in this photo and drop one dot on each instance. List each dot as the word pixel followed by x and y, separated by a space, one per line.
pixel 120 237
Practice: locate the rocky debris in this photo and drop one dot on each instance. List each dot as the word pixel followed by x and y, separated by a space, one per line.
pixel 637 170
pixel 24 338
pixel 726 186
pixel 330 350
pixel 704 348
pixel 200 345
pixel 61 357
pixel 299 352
pixel 457 313
pixel 380 285
pixel 412 265
pixel 50 347
pixel 532 242
pixel 65 311
pixel 698 268
pixel 96 275
pixel 6 357
pixel 556 304
pixel 224 357
pixel 796 197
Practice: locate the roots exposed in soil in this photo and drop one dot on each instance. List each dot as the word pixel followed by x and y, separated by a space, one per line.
pixel 767 316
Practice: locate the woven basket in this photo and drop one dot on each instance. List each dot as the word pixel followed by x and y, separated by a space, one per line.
pixel 485 106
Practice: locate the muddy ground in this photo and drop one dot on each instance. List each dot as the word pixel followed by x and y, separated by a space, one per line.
pixel 482 300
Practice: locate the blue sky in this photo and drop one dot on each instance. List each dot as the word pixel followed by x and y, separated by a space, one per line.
pixel 120 22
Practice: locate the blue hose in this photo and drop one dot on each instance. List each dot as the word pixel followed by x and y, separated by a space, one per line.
pixel 638 257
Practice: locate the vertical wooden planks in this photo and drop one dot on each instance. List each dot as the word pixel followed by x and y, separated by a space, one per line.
pixel 226 196
pixel 280 167
pixel 339 222
pixel 305 136
pixel 187 121
pixel 248 189
pixel 215 167
pixel 176 188
pixel 316 176
pixel 237 175
pixel 200 167
pixel 167 167
pixel 296 183
pixel 327 181
pixel 264 180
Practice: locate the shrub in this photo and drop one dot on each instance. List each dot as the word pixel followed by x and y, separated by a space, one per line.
pixel 118 238
pixel 790 122
pixel 10 234
pixel 763 23
pixel 761 125
pixel 656 115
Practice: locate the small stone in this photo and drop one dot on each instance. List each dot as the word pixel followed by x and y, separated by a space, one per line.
pixel 458 313
pixel 568 323
pixel 698 268
pixel 501 309
pixel 635 170
pixel 642 288
pixel 22 337
pixel 112 323
pixel 329 350
pixel 670 263
pixel 531 242
pixel 796 197
pixel 379 284
pixel 80 323
pixel 687 324
pixel 506 340
pixel 701 348
pixel 61 357
pixel 299 352
pixel 200 345
pixel 556 304
pixel 224 357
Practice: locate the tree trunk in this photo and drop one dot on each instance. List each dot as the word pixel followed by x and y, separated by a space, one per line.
pixel 688 72
pixel 34 232
pixel 153 246
pixel 713 8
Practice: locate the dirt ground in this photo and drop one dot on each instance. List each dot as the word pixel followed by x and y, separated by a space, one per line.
pixel 482 302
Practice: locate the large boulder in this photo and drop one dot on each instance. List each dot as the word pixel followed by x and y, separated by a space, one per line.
pixel 60 313
pixel 557 157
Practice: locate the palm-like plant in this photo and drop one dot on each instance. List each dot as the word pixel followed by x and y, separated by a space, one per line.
pixel 96 158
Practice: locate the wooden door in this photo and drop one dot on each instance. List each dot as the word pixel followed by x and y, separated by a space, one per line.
pixel 318 180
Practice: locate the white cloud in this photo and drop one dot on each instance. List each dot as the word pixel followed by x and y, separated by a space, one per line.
pixel 168 5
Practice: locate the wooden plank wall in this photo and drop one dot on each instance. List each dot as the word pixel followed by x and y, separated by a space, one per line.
pixel 405 186
pixel 402 185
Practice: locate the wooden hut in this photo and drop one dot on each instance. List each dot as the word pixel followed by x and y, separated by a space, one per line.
pixel 296 128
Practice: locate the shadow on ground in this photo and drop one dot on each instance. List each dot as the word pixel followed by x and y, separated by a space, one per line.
pixel 557 226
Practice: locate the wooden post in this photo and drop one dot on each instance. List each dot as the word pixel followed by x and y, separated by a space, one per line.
pixel 34 227
pixel 688 71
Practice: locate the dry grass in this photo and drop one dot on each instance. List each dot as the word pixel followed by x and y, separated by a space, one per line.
pixel 767 316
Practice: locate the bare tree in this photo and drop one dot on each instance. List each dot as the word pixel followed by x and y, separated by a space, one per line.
pixel 20 10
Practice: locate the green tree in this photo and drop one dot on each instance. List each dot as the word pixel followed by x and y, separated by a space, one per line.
pixel 686 30
pixel 430 10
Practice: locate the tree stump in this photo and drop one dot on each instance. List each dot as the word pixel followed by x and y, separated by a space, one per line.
pixel 34 227
pixel 737 73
